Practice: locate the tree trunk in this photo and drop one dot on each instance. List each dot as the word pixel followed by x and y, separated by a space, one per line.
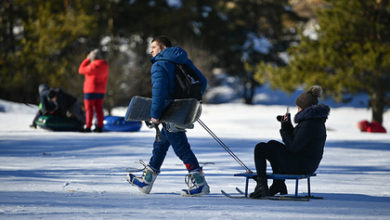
pixel 378 105
pixel 249 89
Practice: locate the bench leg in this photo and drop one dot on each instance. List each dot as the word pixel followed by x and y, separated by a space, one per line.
pixel 296 187
pixel 308 187
pixel 246 186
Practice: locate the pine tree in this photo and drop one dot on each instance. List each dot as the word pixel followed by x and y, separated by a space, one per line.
pixel 351 54
pixel 44 49
pixel 247 31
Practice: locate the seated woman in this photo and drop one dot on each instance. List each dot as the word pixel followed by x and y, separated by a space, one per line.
pixel 303 145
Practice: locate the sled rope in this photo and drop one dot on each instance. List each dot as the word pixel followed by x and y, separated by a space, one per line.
pixel 224 146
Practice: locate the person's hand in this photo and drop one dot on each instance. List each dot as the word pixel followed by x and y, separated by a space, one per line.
pixel 284 118
pixel 287 117
pixel 155 121
pixel 91 56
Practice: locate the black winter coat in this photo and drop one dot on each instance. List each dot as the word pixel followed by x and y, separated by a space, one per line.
pixel 306 141
pixel 64 101
pixel 47 104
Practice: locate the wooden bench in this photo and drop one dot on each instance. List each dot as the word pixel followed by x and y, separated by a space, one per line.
pixel 295 177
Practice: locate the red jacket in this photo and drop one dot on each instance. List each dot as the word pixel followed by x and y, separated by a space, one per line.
pixel 374 127
pixel 96 75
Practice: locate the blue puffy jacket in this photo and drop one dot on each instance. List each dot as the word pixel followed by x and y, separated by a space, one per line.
pixel 163 77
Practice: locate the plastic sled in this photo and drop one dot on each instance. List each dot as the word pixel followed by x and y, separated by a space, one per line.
pixel 58 123
pixel 116 123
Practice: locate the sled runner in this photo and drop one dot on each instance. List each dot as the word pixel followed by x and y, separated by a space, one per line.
pixel 295 177
pixel 181 112
pixel 282 197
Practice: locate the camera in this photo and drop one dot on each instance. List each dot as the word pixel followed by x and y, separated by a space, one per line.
pixel 281 117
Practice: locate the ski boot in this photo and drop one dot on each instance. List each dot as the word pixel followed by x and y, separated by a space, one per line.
pixel 145 182
pixel 196 183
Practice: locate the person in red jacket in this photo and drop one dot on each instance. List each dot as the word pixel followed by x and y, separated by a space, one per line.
pixel 95 69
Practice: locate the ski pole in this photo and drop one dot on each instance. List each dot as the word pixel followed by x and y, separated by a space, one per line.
pixel 224 146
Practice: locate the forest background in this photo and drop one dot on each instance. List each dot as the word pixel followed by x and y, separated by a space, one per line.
pixel 343 45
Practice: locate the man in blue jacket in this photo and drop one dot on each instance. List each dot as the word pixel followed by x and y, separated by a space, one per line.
pixel 164 57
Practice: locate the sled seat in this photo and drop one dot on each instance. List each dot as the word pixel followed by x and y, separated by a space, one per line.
pixel 275 176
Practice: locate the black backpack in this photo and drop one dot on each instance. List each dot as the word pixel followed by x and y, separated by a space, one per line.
pixel 187 83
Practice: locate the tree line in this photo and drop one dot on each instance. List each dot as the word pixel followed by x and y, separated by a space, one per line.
pixel 350 54
pixel 45 41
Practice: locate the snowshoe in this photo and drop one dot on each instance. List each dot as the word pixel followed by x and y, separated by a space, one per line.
pixel 145 182
pixel 196 183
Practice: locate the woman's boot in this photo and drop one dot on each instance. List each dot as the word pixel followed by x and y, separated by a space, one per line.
pixel 278 186
pixel 261 189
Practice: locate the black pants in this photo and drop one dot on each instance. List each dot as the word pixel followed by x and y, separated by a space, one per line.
pixel 39 114
pixel 280 159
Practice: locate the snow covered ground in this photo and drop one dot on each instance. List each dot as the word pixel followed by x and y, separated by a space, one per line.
pixel 69 175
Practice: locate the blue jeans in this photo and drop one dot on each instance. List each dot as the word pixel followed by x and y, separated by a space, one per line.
pixel 180 145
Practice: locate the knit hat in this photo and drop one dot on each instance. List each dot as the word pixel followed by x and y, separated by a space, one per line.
pixel 43 87
pixel 309 97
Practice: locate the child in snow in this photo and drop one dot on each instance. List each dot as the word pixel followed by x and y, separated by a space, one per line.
pixel 303 145
pixel 54 101
pixel 65 104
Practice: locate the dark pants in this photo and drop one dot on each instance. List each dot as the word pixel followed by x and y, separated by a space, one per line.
pixel 180 145
pixel 37 115
pixel 76 111
pixel 280 159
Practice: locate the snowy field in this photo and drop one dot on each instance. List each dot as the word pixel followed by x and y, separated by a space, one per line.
pixel 69 175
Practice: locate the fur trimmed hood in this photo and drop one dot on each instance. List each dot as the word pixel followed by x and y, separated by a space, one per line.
pixel 313 112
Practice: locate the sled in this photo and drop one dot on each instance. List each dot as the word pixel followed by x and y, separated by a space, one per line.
pixel 118 124
pixel 182 112
pixel 296 177
pixel 59 123
pixel 276 197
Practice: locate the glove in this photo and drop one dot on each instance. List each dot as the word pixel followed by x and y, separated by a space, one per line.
pixel 281 119
pixel 92 55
